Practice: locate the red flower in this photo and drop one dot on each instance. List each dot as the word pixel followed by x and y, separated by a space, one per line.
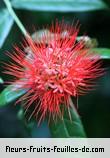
pixel 55 69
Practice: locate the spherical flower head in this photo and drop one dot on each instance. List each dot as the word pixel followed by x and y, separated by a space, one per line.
pixel 56 68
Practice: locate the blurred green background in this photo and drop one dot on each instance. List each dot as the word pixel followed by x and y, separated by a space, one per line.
pixel 94 108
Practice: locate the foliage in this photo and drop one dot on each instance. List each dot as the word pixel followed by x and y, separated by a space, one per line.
pixel 65 127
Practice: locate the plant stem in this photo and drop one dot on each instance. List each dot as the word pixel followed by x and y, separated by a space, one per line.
pixel 16 19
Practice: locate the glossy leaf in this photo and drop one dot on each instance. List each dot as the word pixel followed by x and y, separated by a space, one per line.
pixel 67 128
pixel 6 22
pixel 59 5
pixel 9 94
pixel 103 52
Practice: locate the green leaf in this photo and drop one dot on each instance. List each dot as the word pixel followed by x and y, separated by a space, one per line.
pixel 103 52
pixel 107 2
pixel 67 128
pixel 59 5
pixel 1 80
pixel 6 22
pixel 9 94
